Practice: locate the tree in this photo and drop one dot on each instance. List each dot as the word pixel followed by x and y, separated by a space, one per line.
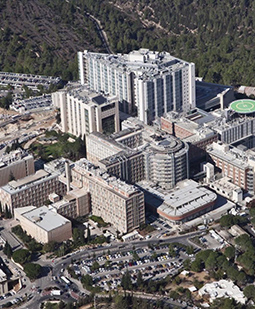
pixel 21 256
pixel 171 251
pixel 95 266
pixel 228 221
pixel 196 265
pixel 186 264
pixel 190 250
pixel 32 270
pixel 50 246
pixel 249 292
pixel 7 250
pixel 78 237
pixel 126 282
pixel 139 280
pixel 229 252
pixel 88 234
pixel 87 281
pixel 244 242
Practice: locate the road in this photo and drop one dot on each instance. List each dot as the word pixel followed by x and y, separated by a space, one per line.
pixel 101 32
pixel 54 268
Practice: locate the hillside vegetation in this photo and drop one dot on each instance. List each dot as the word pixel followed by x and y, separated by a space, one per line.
pixel 44 35
pixel 217 35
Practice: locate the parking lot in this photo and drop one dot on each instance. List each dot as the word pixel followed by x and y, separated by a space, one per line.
pixel 162 227
pixel 31 81
pixel 154 263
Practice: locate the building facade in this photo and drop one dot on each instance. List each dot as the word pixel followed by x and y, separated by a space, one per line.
pixel 15 165
pixel 115 201
pixel 233 165
pixel 43 224
pixel 152 83
pixel 31 190
pixel 83 111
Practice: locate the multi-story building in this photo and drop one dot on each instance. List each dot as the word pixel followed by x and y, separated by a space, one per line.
pixel 152 83
pixel 31 190
pixel 15 165
pixel 83 111
pixel 186 202
pixel 166 161
pixel 234 164
pixel 75 204
pixel 99 147
pixel 141 152
pixel 126 165
pixel 115 201
pixel 43 224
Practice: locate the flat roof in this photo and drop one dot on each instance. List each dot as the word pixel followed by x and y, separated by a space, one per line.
pixel 245 106
pixel 26 180
pixel 187 196
pixel 45 218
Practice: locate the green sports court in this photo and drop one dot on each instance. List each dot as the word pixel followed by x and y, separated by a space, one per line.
pixel 245 106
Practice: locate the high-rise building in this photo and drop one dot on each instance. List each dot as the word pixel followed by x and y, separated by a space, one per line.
pixel 83 111
pixel 152 83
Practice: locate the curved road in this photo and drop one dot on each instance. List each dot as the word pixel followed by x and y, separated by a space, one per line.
pixel 60 263
pixel 101 32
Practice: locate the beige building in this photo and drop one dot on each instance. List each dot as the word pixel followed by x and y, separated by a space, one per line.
pixel 140 152
pixel 115 201
pixel 83 111
pixel 75 204
pixel 34 189
pixel 16 164
pixel 100 147
pixel 43 224
pixel 233 165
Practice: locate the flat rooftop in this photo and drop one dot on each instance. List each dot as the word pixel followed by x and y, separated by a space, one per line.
pixel 27 180
pixel 45 218
pixel 207 94
pixel 187 196
pixel 15 186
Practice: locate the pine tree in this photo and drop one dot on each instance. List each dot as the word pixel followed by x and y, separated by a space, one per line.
pixel 88 235
pixel 7 250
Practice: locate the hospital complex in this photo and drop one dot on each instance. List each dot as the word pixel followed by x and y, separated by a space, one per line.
pixel 153 143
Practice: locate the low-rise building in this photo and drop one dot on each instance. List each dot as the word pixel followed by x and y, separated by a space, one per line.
pixel 226 188
pixel 222 288
pixel 43 224
pixel 185 202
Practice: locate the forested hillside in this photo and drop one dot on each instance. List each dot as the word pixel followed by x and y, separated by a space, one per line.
pixel 217 35
pixel 38 36
pixel 44 35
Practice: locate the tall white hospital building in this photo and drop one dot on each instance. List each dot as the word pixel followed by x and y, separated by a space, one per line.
pixel 83 111
pixel 151 82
